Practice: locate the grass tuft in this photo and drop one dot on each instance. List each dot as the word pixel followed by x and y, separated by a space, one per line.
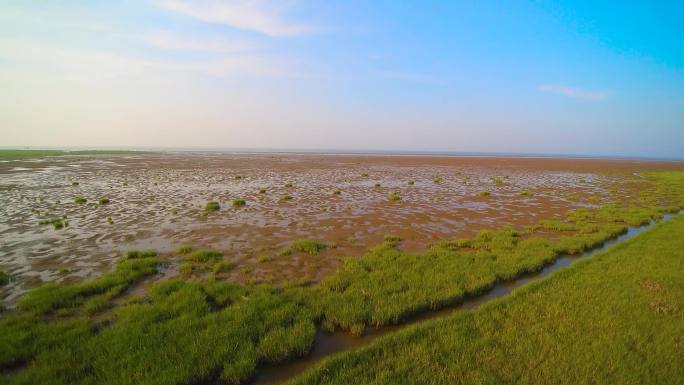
pixel 212 206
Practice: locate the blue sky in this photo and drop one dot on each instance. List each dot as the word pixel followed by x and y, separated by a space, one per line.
pixel 574 77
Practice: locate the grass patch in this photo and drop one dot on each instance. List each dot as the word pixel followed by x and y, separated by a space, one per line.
pixel 80 200
pixel 5 278
pixel 437 179
pixel 212 206
pixel 525 194
pixel 285 197
pixel 393 197
pixel 484 193
pixel 410 182
pixel 239 202
pixel 308 246
pixel 103 201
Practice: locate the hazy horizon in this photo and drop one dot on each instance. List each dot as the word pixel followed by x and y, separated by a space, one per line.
pixel 551 78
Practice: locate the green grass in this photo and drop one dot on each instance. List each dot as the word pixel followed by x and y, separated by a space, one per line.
pixel 185 248
pixel 262 191
pixel 239 202
pixel 5 278
pixel 57 223
pixel 410 182
pixel 308 246
pixel 337 192
pixel 613 319
pixel 525 194
pixel 288 184
pixel 376 185
pixel 484 193
pixel 32 154
pixel 212 206
pixel 393 197
pixel 285 197
pixel 80 200
pixel 103 201
pixel 437 179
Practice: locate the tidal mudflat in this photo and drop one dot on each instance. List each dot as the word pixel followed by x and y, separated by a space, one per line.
pixel 184 307
pixel 67 218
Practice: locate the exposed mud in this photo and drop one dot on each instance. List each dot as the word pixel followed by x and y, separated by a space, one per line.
pixel 156 201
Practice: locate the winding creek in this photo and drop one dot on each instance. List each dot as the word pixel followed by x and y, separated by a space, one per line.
pixel 327 343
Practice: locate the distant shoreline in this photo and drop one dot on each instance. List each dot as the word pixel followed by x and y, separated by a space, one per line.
pixel 59 151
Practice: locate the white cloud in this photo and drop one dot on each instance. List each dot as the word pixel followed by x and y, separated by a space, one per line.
pixel 174 42
pixel 98 64
pixel 573 92
pixel 251 15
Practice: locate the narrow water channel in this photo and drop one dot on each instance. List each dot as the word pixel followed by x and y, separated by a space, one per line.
pixel 331 343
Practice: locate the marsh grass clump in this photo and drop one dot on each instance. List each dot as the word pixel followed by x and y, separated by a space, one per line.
pixel 103 201
pixel 337 192
pixel 376 185
pixel 5 278
pixel 484 193
pixel 80 200
pixel 201 260
pixel 410 182
pixel 262 191
pixel 222 267
pixel 364 174
pixel 263 258
pixel 110 220
pixel 239 202
pixel 288 184
pixel 212 206
pixel 308 246
pixel 497 181
pixel 393 197
pixel 137 254
pixel 185 248
pixel 525 193
pixel 285 197
pixel 437 179
pixel 238 177
pixel 74 184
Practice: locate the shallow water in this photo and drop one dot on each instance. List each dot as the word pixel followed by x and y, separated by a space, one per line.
pixel 156 201
pixel 330 343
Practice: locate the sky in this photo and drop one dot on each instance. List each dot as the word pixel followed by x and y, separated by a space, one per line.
pixel 543 77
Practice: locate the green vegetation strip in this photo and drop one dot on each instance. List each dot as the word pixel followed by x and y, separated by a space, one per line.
pixel 197 331
pixel 617 318
pixel 32 154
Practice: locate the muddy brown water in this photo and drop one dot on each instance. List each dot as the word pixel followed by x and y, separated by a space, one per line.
pixel 156 202
pixel 330 343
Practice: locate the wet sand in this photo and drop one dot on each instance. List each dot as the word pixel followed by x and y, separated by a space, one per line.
pixel 156 201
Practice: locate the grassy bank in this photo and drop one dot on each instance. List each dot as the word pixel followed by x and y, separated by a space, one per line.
pixel 198 330
pixel 32 154
pixel 615 319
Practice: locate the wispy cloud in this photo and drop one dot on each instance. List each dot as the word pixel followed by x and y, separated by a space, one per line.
pixel 573 92
pixel 170 41
pixel 99 64
pixel 261 16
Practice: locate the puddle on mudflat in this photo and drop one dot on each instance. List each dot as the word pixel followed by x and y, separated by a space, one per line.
pixel 156 201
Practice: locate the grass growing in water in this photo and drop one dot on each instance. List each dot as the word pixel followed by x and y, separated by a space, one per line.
pixel 212 206
pixel 285 197
pixel 103 201
pixel 484 193
pixel 239 202
pixel 80 200
pixel 410 182
pixel 5 278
